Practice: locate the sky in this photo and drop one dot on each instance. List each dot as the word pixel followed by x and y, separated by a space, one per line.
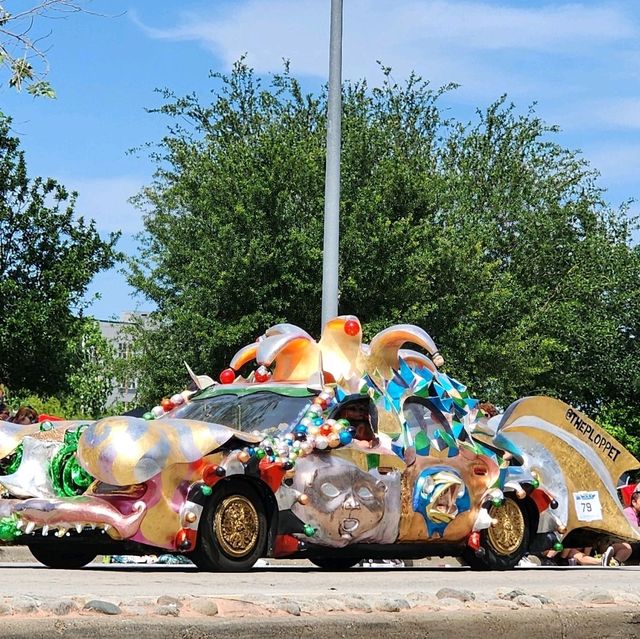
pixel 578 61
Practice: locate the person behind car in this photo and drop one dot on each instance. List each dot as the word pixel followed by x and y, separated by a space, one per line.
pixel 632 511
pixel 5 413
pixel 25 415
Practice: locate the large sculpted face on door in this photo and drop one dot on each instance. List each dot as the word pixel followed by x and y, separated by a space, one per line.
pixel 345 502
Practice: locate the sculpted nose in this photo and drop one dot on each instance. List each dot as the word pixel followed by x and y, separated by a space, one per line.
pixel 351 503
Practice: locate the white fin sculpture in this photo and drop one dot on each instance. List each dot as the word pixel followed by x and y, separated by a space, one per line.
pixel 201 381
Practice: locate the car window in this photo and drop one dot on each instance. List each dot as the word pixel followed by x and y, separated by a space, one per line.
pixel 261 411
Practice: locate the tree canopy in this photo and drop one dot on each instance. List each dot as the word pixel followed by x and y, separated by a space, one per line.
pixel 48 256
pixel 489 234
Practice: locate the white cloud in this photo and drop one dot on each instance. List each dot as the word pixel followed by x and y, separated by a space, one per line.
pixel 440 38
pixel 106 201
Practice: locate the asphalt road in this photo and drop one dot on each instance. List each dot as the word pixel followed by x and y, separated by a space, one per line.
pixel 123 581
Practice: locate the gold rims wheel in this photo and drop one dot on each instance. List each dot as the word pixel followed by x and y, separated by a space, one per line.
pixel 507 535
pixel 236 526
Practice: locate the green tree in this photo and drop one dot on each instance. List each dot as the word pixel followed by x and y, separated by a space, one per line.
pixel 489 234
pixel 92 374
pixel 48 256
pixel 22 54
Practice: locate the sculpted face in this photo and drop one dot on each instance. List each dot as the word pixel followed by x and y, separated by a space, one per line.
pixel 344 501
pixel 439 496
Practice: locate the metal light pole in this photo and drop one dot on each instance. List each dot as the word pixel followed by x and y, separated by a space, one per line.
pixel 332 171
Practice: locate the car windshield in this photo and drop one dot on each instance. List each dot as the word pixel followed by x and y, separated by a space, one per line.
pixel 263 411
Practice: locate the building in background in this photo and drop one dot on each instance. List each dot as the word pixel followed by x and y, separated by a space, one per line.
pixel 115 332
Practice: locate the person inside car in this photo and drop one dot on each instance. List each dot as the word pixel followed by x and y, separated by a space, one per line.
pixel 357 414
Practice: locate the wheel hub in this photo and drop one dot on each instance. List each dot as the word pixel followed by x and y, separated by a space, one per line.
pixel 507 535
pixel 236 526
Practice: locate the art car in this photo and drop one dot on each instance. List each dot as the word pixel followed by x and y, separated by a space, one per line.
pixel 333 450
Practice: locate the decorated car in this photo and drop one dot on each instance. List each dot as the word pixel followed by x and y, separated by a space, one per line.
pixel 333 450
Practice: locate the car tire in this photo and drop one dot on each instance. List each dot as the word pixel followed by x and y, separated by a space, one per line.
pixel 502 546
pixel 335 563
pixel 54 556
pixel 232 534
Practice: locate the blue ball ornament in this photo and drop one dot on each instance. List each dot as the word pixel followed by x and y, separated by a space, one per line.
pixel 345 437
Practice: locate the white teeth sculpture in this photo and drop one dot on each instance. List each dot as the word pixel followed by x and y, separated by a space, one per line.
pixel 32 477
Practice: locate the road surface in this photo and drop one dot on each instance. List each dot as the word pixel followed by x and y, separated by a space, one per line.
pixel 124 580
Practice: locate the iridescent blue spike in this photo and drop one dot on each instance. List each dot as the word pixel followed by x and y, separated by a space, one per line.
pixel 397 378
pixel 472 403
pixel 458 410
pixel 461 388
pixel 444 405
pixel 457 428
pixel 425 373
pixel 439 389
pixel 395 390
pixel 398 449
pixel 445 382
pixel 406 373
pixel 340 394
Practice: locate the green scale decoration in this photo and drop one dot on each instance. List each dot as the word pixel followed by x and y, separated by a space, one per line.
pixel 67 476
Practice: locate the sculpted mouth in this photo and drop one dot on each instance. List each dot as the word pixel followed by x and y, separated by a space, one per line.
pixel 349 526
pixel 443 507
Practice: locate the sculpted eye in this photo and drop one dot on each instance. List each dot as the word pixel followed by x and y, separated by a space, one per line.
pixel 329 490
pixel 364 493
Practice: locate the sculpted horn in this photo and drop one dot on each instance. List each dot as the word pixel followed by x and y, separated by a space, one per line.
pixel 244 355
pixel 385 345
pixel 295 355
pixel 286 329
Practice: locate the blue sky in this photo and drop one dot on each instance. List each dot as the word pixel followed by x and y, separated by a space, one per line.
pixel 580 61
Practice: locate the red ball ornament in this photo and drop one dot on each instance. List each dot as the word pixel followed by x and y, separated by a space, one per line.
pixel 261 375
pixel 167 405
pixel 352 327
pixel 227 376
pixel 325 429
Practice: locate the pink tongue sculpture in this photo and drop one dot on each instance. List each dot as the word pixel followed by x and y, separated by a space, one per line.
pixel 78 513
